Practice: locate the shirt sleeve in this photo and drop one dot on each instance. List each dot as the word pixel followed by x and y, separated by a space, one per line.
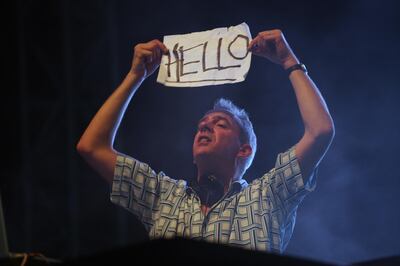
pixel 287 171
pixel 287 187
pixel 136 187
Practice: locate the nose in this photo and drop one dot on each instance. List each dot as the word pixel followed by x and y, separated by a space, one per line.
pixel 205 127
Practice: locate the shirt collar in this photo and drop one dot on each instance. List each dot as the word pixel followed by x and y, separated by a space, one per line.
pixel 235 187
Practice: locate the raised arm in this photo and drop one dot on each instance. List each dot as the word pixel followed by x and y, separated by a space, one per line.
pixel 318 124
pixel 96 143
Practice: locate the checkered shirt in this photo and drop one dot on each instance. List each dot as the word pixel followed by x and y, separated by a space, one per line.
pixel 257 216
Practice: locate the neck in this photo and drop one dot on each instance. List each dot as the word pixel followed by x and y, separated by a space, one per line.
pixel 224 177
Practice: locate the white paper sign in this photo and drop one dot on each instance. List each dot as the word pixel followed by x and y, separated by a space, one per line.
pixel 205 58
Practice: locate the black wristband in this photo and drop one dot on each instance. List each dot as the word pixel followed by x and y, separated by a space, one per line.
pixel 296 67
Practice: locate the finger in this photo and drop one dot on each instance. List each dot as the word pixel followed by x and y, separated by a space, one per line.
pixel 259 36
pixel 270 43
pixel 258 45
pixel 156 44
pixel 145 56
pixel 265 41
pixel 159 57
pixel 259 41
pixel 253 44
pixel 143 53
pixel 162 46
pixel 148 59
pixel 153 56
pixel 274 33
pixel 271 36
pixel 262 44
pixel 158 53
pixel 152 52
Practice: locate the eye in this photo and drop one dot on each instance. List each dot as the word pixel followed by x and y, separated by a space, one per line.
pixel 222 125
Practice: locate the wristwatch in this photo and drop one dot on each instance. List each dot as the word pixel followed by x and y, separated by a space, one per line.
pixel 296 67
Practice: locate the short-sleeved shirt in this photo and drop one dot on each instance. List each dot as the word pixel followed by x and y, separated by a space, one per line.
pixel 257 216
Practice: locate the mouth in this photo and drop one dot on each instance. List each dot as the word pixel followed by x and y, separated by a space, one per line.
pixel 204 140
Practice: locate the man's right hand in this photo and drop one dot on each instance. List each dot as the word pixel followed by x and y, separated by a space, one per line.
pixel 147 58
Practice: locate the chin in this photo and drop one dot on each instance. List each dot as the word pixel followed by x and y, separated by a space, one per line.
pixel 202 150
pixel 201 154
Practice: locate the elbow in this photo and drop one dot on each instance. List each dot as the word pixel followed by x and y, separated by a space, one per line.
pixel 325 134
pixel 328 131
pixel 89 149
pixel 83 148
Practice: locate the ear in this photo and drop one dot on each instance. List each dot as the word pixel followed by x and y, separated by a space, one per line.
pixel 244 151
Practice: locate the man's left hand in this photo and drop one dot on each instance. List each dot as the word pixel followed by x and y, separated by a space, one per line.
pixel 272 45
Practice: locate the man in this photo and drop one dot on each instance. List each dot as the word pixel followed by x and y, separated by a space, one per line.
pixel 221 207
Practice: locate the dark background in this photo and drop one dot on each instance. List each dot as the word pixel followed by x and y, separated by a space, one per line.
pixel 68 56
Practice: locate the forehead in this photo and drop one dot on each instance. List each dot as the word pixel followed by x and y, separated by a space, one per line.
pixel 215 115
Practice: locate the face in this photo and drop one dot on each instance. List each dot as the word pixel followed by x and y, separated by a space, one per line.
pixel 217 137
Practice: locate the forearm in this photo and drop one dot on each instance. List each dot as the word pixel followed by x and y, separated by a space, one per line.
pixel 102 129
pixel 96 143
pixel 313 109
pixel 318 124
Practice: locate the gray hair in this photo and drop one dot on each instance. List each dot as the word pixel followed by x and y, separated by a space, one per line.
pixel 247 134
